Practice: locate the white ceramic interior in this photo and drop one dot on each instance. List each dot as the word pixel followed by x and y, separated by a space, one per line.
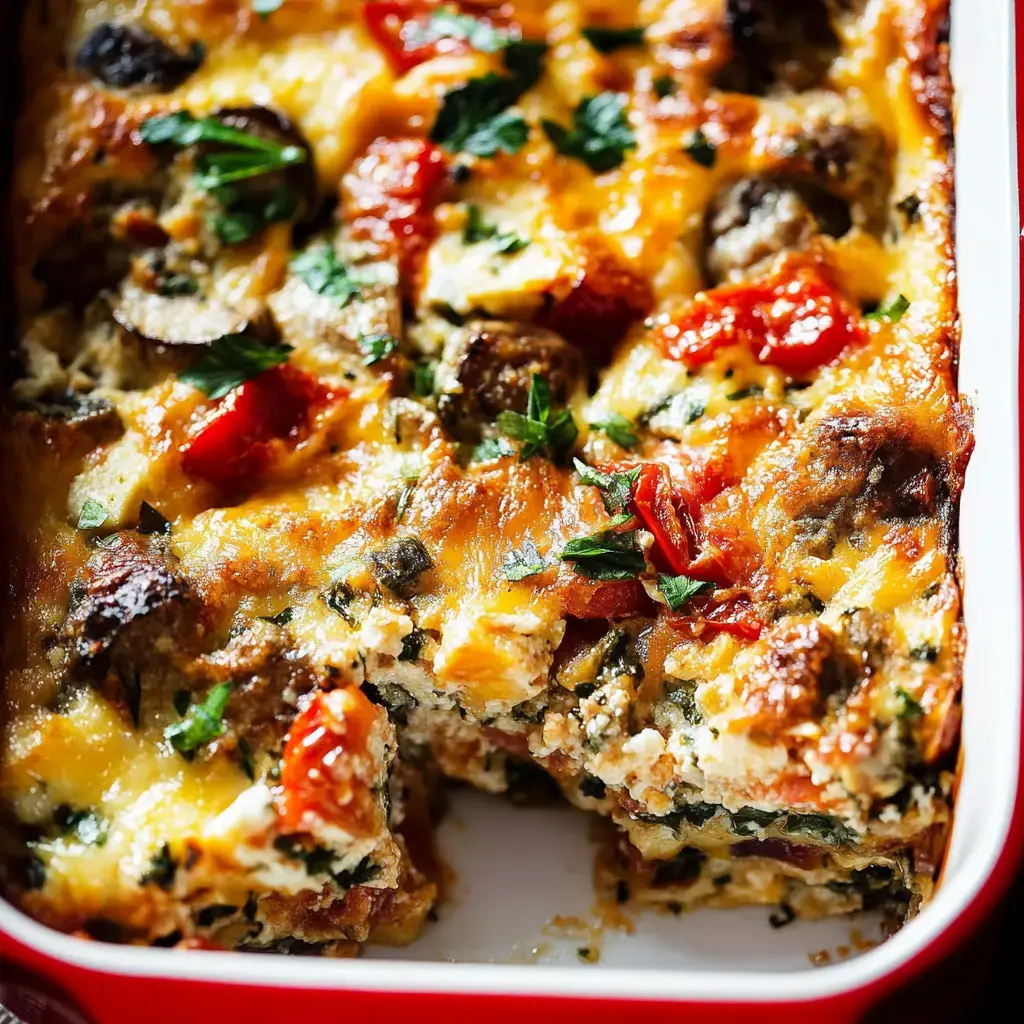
pixel 516 869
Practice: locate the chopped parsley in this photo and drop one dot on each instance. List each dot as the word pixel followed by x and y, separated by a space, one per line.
pixel 170 285
pixel 753 391
pixel 608 40
pixel 600 136
pixel 92 516
pixel 243 155
pixel 677 590
pixel 423 380
pixel 449 24
pixel 925 652
pixel 245 759
pixel 376 347
pixel 231 361
pixel 619 429
pixel 606 555
pixel 162 869
pixel 908 708
pixel 663 85
pixel 86 826
pixel 700 149
pixel 476 230
pixel 282 618
pixel 539 428
pixel 523 562
pixel 474 118
pixel 492 448
pixel 319 860
pixel 892 312
pixel 322 272
pixel 616 488
pixel 201 723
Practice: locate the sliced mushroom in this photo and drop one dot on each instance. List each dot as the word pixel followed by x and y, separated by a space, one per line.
pixel 752 221
pixel 778 44
pixel 123 56
pixel 488 367
pixel 176 320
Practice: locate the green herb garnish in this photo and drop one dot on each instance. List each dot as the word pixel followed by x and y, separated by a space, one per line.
pixel 540 429
pixel 600 136
pixel 606 555
pixel 908 708
pixel 491 448
pixel 608 40
pixel 616 488
pixel 700 149
pixel 423 380
pixel 619 429
pixel 376 347
pixel 322 272
pixel 891 312
pixel 476 230
pixel 231 361
pixel 92 516
pixel 201 724
pixel 86 826
pixel 524 562
pixel 677 590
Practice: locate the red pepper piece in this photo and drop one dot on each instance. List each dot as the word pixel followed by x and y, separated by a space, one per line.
pixel 390 197
pixel 325 767
pixel 795 320
pixel 652 503
pixel 233 442
pixel 734 615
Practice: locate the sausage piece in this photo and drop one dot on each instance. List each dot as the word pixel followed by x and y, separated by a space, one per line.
pixel 488 367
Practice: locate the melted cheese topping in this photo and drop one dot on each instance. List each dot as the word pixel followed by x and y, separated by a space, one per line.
pixel 387 541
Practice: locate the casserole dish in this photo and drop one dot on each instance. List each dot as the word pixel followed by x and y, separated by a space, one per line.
pixel 982 836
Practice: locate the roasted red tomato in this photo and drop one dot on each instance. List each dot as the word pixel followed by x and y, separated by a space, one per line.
pixel 413 31
pixel 327 773
pixel 604 297
pixel 652 503
pixel 390 196
pixel 589 599
pixel 233 443
pixel 709 617
pixel 795 320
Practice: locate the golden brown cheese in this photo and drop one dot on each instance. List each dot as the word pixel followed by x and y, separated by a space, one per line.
pixel 296 518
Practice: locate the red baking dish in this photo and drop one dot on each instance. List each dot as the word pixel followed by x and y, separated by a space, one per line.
pixel 493 958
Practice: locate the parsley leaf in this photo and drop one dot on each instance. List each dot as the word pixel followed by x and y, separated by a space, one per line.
pixel 677 590
pixel 663 85
pixel 376 347
pixel 908 707
pixel 524 562
pixel 201 724
pixel 600 135
pixel 701 150
pixel 282 618
pixel 539 428
pixel 449 24
pixel 231 361
pixel 86 826
pixel 891 312
pixel 608 40
pixel 322 272
pixel 473 118
pixel 606 555
pixel 265 8
pixel 477 230
pixel 423 380
pixel 492 448
pixel 177 284
pixel 616 488
pixel 619 429
pixel 92 516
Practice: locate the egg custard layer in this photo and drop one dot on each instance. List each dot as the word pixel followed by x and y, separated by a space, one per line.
pixel 419 391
